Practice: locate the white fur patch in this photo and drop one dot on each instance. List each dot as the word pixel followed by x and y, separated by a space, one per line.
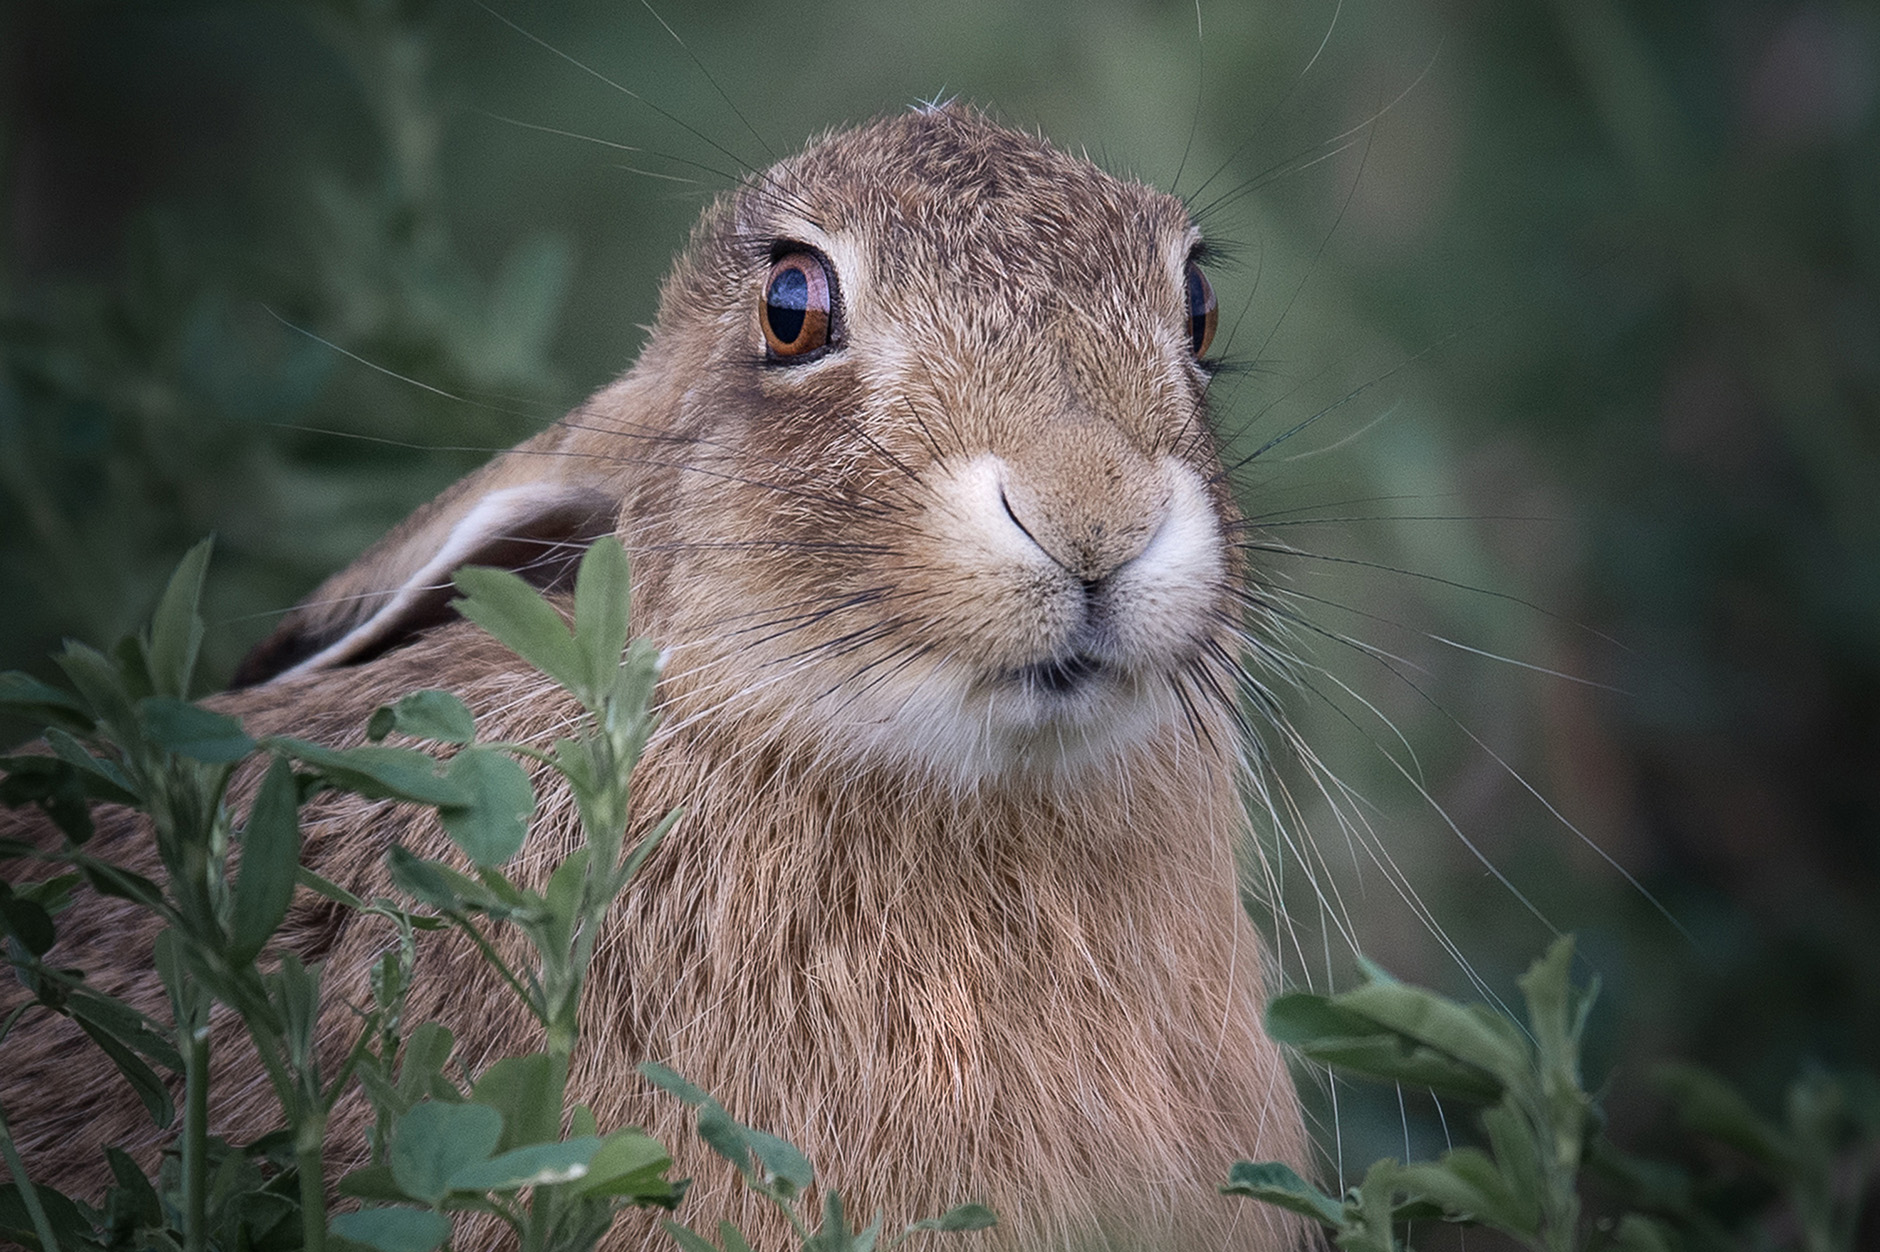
pixel 494 515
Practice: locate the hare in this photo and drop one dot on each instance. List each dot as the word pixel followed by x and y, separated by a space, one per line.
pixel 917 480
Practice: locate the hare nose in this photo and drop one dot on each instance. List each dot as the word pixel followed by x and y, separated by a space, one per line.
pixel 1091 509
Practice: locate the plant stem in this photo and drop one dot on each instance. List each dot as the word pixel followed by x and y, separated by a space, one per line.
pixel 28 1194
pixel 311 1134
pixel 532 1002
pixel 196 1134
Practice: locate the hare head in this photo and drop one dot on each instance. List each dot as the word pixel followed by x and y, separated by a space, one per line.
pixel 915 469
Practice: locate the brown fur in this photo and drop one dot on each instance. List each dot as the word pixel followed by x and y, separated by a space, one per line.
pixel 958 940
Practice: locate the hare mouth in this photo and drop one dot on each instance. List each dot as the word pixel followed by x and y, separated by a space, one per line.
pixel 1062 675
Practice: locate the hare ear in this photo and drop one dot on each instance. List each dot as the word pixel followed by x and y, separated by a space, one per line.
pixel 402 585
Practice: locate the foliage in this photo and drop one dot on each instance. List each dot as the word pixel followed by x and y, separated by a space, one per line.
pixel 448 1145
pixel 1544 1132
pixel 775 1170
pixel 1588 318
pixel 446 1141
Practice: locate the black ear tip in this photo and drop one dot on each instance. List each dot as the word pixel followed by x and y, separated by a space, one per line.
pixel 287 647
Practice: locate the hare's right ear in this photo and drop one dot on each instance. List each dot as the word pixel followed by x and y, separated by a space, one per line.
pixel 501 515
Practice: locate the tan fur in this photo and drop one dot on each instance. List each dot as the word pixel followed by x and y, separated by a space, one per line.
pixel 960 938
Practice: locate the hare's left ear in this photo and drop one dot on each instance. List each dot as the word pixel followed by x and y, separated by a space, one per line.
pixel 502 515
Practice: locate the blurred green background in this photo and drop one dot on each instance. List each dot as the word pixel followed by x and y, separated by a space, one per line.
pixel 1577 303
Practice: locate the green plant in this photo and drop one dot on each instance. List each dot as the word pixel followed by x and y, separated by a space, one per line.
pixel 1544 1133
pixel 129 736
pixel 444 1143
pixel 774 1169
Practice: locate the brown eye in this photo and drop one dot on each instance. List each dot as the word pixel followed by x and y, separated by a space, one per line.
pixel 1202 311
pixel 796 306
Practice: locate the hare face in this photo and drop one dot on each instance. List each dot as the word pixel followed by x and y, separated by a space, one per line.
pixel 975 528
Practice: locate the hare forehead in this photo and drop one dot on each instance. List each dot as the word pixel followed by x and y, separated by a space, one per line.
pixel 1018 251
pixel 948 200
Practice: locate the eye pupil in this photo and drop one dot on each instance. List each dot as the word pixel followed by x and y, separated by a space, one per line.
pixel 788 299
pixel 796 308
pixel 1202 310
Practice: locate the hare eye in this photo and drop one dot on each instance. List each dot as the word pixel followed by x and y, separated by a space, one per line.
pixel 1202 310
pixel 796 306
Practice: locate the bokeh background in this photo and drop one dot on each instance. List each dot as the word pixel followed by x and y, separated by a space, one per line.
pixel 1567 311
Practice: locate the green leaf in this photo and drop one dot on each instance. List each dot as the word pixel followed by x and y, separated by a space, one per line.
pixel 256 1217
pixel 1327 1033
pixel 633 689
pixel 394 1229
pixel 1467 1184
pixel 113 880
pixel 963 1217
pixel 492 823
pixel 1548 992
pixel 1710 1106
pixel 434 1141
pixel 55 786
pixel 562 900
pixel 536 1165
pixel 600 612
pixel 781 1158
pixel 51 894
pixel 26 921
pixel 428 714
pixel 99 682
pixel 726 1136
pixel 689 1239
pixel 865 1241
pixel 1638 1233
pixel 506 897
pixel 671 1083
pixel 732 1139
pixel 372 1182
pixel 132 661
pixel 294 990
pixel 517 616
pixel 105 779
pixel 422 1065
pixel 1301 1019
pixel 125 1024
pixel 132 1196
pixel 1465 1032
pixel 269 862
pixel 376 773
pixel 143 1079
pixel 329 889
pixel 630 1163
pixel 426 881
pixel 834 1234
pixel 1272 1182
pixel 27 697
pixel 443 888
pixel 67 1221
pixel 176 627
pixel 527 1091
pixel 1517 1145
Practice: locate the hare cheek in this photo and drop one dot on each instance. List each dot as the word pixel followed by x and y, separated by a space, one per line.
pixel 1158 609
pixel 997 600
